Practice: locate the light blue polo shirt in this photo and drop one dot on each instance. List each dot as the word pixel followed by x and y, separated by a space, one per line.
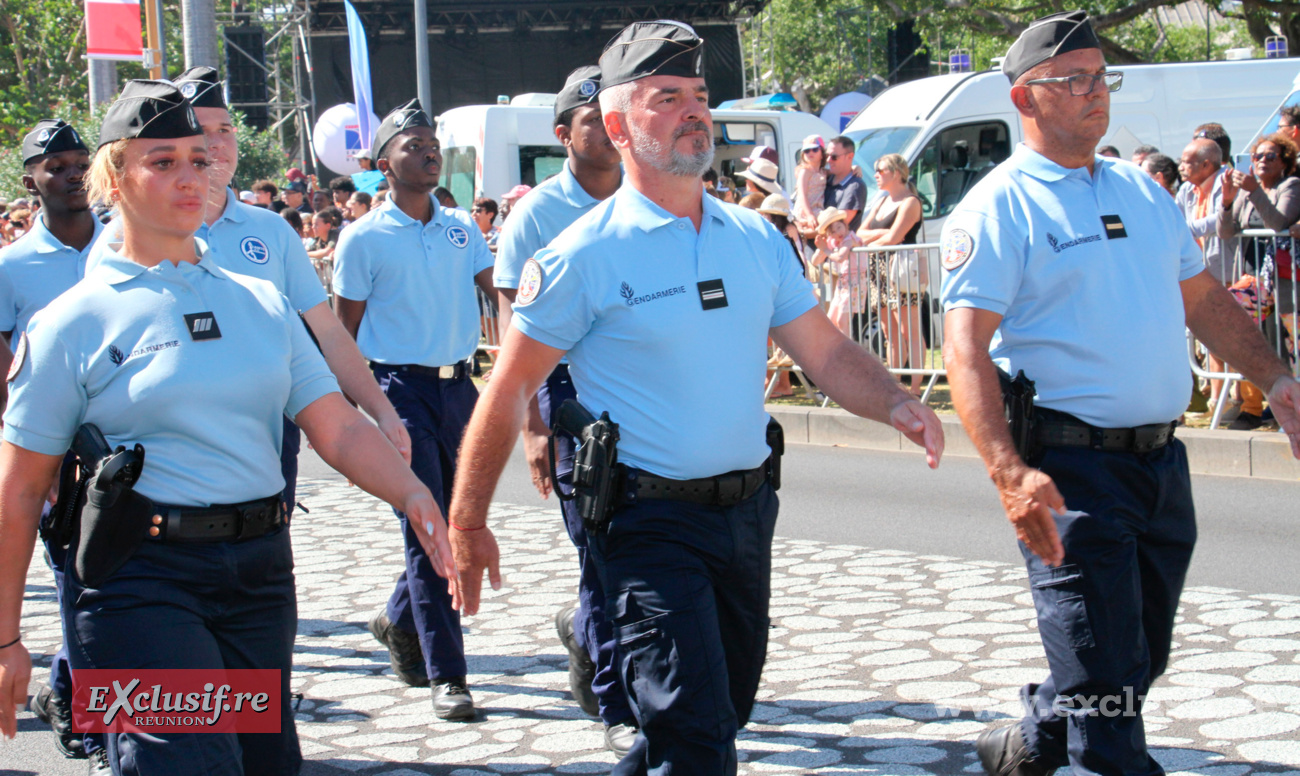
pixel 116 351
pixel 417 281
pixel 1096 321
pixel 256 242
pixel 537 219
pixel 619 291
pixel 35 270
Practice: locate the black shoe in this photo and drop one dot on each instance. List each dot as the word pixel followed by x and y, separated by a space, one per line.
pixel 1003 752
pixel 582 672
pixel 619 738
pixel 404 652
pixel 51 710
pixel 451 699
pixel 99 763
pixel 1246 421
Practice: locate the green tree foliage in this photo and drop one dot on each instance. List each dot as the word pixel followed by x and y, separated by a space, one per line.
pixel 830 46
pixel 42 61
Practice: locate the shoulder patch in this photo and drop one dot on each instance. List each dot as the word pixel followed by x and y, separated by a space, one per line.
pixel 458 236
pixel 255 250
pixel 20 358
pixel 957 248
pixel 530 282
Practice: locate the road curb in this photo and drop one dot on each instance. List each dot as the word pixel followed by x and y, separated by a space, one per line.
pixel 1230 453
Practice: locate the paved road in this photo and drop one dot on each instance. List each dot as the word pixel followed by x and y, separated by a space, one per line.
pixel 901 629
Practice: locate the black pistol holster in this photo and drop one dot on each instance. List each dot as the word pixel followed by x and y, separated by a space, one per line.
pixel 1018 401
pixel 776 443
pixel 106 518
pixel 596 469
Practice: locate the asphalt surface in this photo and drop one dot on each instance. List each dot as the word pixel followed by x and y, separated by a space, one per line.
pixel 832 498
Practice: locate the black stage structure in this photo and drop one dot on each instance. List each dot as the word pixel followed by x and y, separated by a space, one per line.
pixel 480 50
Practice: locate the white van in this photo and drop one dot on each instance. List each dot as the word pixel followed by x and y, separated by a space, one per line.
pixel 489 149
pixel 953 129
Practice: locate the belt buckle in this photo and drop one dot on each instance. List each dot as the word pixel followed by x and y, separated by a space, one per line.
pixel 730 489
pixel 446 372
pixel 250 518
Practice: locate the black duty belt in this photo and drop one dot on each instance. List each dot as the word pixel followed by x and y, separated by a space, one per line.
pixel 219 523
pixel 724 490
pixel 1055 432
pixel 455 371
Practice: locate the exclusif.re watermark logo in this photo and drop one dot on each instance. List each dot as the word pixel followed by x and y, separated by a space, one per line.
pixel 188 700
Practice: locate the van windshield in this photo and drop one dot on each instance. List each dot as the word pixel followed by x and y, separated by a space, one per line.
pixel 875 143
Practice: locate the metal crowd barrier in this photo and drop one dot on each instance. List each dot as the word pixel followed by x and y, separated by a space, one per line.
pixel 1277 318
pixel 885 299
pixel 489 341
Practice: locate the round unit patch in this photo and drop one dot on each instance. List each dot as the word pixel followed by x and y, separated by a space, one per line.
pixel 254 250
pixel 587 88
pixel 188 89
pixel 44 137
pixel 957 246
pixel 458 236
pixel 20 357
pixel 530 282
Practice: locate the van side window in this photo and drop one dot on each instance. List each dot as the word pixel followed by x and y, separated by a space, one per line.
pixel 458 172
pixel 537 163
pixel 955 160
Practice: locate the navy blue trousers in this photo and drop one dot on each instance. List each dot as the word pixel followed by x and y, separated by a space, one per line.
pixel 1106 614
pixel 687 588
pixel 591 626
pixel 435 412
pixel 290 446
pixel 195 605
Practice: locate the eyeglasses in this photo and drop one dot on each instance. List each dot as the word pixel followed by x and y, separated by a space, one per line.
pixel 1083 84
pixel 1265 156
pixel 833 157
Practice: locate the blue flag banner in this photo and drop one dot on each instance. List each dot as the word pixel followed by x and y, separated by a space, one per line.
pixel 360 75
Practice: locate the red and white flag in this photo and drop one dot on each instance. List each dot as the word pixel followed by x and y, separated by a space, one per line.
pixel 113 30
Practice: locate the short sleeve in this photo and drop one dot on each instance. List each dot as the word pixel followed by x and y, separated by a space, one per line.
pixel 983 262
pixel 561 313
pixel 47 400
pixel 857 196
pixel 1191 259
pixel 352 275
pixel 301 284
pixel 310 375
pixel 516 243
pixel 794 294
pixel 483 258
pixel 8 302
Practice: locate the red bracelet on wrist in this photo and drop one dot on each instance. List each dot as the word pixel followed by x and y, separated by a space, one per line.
pixel 459 528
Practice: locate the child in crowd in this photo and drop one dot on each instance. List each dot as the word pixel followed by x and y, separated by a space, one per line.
pixel 835 244
pixel 810 183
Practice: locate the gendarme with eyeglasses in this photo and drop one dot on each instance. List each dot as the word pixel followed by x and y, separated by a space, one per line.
pixel 1077 273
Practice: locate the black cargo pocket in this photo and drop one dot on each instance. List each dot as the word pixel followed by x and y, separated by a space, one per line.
pixel 666 674
pixel 1061 605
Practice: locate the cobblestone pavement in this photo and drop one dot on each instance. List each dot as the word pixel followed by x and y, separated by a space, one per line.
pixel 881 662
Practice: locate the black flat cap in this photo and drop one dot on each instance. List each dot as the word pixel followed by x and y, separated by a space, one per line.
pixel 580 88
pixel 149 109
pixel 202 87
pixel 644 49
pixel 51 136
pixel 1048 37
pixel 408 116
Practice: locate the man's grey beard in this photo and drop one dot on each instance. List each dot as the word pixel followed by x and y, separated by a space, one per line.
pixel 666 158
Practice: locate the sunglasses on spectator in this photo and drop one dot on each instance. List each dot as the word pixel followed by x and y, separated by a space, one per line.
pixel 833 156
pixel 1082 85
pixel 1266 156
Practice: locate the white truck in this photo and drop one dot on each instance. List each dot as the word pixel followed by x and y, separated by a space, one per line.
pixel 488 149
pixel 954 128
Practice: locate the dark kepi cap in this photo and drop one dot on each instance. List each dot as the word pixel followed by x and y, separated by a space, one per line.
pixel 202 87
pixel 408 116
pixel 51 136
pixel 1048 37
pixel 644 49
pixel 149 109
pixel 580 88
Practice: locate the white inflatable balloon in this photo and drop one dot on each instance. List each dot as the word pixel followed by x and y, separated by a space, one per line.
pixel 337 138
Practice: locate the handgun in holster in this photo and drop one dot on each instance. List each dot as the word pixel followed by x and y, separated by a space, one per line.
pixel 97 513
pixel 776 443
pixel 1018 401
pixel 596 469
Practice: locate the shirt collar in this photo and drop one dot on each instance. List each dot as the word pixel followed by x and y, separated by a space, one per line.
pixel 115 268
pixel 637 209
pixel 1031 162
pixel 396 215
pixel 234 210
pixel 572 190
pixel 45 242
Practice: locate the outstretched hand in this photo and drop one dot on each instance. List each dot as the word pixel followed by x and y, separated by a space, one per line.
pixel 474 551
pixel 1284 398
pixel 431 530
pixel 15 674
pixel 921 426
